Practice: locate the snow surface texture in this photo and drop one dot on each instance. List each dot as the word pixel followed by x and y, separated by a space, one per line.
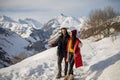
pixel 101 62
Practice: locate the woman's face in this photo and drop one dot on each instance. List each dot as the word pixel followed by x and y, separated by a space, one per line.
pixel 71 34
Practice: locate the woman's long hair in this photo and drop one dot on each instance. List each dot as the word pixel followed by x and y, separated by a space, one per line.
pixel 73 40
pixel 66 32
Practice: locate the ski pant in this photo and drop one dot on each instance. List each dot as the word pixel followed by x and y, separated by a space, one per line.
pixel 60 58
pixel 71 63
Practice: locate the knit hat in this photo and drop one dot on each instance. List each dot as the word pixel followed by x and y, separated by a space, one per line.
pixel 74 32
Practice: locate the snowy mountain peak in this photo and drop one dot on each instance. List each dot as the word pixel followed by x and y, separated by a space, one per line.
pixel 70 22
pixel 55 24
pixel 6 19
pixel 34 23
pixel 67 21
pixel 63 15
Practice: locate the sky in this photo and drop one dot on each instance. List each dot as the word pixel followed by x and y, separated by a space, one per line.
pixel 44 10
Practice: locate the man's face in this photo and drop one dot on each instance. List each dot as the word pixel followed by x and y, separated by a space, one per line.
pixel 63 31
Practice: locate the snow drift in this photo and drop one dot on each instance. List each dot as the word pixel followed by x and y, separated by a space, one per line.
pixel 101 62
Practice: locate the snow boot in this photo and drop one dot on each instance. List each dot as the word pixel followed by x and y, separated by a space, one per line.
pixel 66 77
pixel 58 76
pixel 71 77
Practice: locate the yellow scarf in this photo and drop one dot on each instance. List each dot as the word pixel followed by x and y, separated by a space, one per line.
pixel 70 46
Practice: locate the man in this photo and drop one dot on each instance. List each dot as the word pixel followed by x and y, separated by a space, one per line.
pixel 61 42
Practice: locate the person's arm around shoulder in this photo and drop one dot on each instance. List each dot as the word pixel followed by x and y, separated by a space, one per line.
pixel 55 43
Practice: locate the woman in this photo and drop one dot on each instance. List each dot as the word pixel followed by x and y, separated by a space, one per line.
pixel 73 53
pixel 61 42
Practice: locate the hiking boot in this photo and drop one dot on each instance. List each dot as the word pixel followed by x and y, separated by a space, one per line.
pixel 71 77
pixel 66 77
pixel 58 76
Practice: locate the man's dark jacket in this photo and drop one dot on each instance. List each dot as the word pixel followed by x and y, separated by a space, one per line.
pixel 61 43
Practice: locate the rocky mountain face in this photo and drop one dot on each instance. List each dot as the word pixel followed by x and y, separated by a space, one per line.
pixel 11 46
pixel 4 58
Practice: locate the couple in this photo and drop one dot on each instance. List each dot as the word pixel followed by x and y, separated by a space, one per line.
pixel 69 50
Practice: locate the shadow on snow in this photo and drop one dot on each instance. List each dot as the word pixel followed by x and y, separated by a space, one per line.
pixel 100 66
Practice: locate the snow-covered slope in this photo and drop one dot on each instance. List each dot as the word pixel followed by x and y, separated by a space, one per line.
pixel 32 68
pixel 12 45
pixel 11 42
pixel 101 62
pixel 101 57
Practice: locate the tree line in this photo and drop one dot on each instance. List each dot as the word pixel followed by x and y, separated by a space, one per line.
pixel 101 23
